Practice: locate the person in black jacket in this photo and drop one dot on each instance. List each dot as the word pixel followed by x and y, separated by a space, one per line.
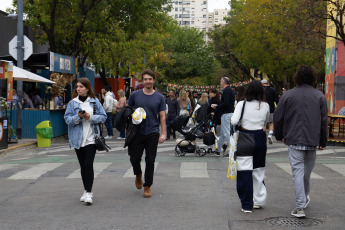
pixel 214 99
pixel 301 120
pixel 272 99
pixel 173 112
pixel 226 109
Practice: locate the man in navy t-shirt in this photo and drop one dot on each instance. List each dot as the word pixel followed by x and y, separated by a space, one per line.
pixel 147 138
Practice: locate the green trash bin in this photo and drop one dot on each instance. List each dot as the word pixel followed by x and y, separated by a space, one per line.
pixel 44 132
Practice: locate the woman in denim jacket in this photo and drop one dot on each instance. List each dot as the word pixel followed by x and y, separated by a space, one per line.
pixel 80 119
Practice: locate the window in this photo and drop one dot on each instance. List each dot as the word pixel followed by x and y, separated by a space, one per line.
pixel 204 16
pixel 216 12
pixel 192 22
pixel 205 2
pixel 176 8
pixel 185 15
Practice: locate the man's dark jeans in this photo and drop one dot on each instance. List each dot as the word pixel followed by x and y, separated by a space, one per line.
pixel 136 148
pixel 108 124
pixel 170 119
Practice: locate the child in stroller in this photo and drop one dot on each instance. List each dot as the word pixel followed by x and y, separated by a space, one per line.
pixel 190 134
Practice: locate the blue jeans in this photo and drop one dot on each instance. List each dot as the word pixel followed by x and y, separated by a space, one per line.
pixel 225 129
pixel 108 124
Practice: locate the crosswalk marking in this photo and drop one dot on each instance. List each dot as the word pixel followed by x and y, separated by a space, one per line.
pixel 277 150
pixel 5 167
pixel 186 169
pixel 194 170
pixel 287 168
pixel 172 148
pixel 130 174
pixel 339 168
pixel 35 171
pixel 97 168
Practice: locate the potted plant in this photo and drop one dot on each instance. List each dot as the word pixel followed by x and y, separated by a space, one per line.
pixel 12 137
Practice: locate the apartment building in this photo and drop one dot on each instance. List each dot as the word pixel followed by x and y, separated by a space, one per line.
pixel 194 13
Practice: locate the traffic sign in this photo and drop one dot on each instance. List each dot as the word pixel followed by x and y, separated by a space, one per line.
pixel 27 47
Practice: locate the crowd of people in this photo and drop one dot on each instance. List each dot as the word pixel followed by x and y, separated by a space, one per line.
pixel 257 106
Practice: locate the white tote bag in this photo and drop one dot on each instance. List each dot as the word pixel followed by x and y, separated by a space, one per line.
pixel 232 168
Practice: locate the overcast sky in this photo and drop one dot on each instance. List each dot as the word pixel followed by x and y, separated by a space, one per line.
pixel 212 4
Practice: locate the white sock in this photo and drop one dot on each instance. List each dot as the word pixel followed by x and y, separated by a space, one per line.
pixel 270 133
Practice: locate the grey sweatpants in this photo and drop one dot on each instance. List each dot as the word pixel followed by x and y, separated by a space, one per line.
pixel 302 163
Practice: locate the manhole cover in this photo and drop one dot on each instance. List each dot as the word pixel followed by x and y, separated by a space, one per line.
pixel 293 222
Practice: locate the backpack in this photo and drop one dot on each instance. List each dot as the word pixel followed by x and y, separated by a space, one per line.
pixel 122 118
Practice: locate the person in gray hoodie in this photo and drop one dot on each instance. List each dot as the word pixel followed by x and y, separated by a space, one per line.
pixel 301 120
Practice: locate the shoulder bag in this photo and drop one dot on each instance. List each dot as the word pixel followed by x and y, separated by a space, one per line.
pixel 99 139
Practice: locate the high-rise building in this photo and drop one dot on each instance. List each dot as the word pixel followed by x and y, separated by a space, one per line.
pixel 193 13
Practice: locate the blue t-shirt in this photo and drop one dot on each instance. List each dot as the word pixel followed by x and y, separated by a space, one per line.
pixel 152 104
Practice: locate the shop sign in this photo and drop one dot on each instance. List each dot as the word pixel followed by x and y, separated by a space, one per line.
pixel 61 63
pixel 2 70
pixel 9 76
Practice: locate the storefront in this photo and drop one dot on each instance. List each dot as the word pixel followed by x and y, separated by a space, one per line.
pixel 54 97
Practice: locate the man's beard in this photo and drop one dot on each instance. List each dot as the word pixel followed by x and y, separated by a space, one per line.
pixel 148 86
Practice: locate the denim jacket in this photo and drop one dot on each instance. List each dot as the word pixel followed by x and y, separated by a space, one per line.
pixel 75 128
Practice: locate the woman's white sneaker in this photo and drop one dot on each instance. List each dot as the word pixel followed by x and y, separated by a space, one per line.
pixel 88 198
pixel 82 198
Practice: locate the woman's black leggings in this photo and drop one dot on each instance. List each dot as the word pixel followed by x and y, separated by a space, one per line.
pixel 86 156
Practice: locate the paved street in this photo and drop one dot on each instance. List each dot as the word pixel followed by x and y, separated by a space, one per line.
pixel 41 187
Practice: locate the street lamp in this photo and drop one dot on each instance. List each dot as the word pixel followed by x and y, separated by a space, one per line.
pixel 20 57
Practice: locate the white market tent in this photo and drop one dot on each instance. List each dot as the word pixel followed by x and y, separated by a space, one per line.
pixel 20 74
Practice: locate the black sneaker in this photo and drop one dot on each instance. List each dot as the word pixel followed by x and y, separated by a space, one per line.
pixel 217 153
pixel 226 155
pixel 224 147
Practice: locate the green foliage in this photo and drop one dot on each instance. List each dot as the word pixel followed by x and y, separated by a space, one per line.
pixel 267 35
pixel 191 57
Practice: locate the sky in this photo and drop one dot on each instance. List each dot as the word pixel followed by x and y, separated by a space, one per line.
pixel 212 4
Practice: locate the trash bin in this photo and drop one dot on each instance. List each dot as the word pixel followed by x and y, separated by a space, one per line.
pixel 3 133
pixel 44 132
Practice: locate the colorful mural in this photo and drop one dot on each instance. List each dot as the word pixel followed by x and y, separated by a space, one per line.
pixel 335 72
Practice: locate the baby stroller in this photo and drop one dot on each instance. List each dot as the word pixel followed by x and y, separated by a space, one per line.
pixel 190 133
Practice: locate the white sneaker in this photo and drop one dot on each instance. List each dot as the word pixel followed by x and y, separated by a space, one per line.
pixel 270 139
pixel 82 198
pixel 121 138
pixel 246 211
pixel 256 206
pixel 108 137
pixel 88 198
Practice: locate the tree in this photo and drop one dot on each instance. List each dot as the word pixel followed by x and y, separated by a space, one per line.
pixel 190 56
pixel 265 35
pixel 70 26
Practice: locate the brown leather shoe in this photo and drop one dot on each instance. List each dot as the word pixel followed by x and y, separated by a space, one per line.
pixel 147 192
pixel 138 181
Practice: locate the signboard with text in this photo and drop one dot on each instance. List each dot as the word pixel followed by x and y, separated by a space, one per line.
pixel 61 63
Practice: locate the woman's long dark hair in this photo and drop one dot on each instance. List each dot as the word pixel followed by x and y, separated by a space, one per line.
pixel 255 91
pixel 87 84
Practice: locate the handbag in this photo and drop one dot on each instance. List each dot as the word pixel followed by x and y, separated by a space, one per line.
pixel 245 146
pixel 99 139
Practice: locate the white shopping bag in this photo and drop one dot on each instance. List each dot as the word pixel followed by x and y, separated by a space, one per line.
pixel 232 168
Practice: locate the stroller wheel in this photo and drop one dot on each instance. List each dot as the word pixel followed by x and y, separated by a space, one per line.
pixel 202 152
pixel 199 152
pixel 178 152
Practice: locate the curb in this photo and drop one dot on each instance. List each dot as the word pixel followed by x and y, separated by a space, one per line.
pixel 34 143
